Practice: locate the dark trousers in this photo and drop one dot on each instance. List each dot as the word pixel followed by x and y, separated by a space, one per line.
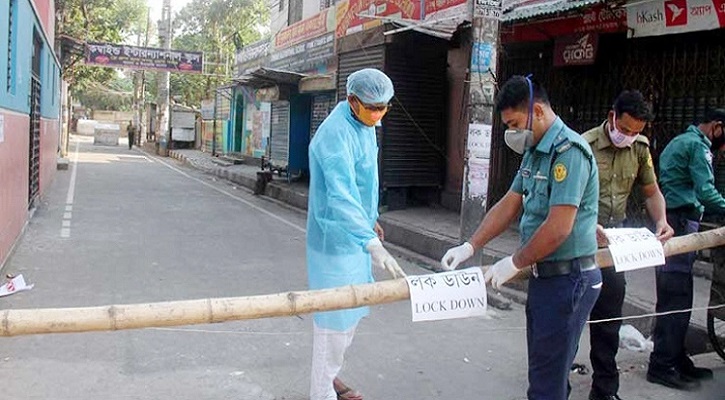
pixel 557 309
pixel 674 292
pixel 130 140
pixel 605 335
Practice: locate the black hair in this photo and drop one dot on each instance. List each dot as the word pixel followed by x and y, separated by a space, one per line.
pixel 632 102
pixel 714 115
pixel 515 94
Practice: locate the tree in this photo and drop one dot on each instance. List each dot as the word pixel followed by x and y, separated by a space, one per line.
pixel 112 21
pixel 214 26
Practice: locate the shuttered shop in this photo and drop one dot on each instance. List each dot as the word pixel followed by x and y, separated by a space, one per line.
pixel 682 75
pixel 412 139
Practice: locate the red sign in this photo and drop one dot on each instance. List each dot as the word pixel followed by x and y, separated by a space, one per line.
pixel 597 19
pixel 676 13
pixel 304 30
pixel 351 15
pixel 576 50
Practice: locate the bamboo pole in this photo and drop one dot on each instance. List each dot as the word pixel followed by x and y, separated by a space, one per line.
pixel 203 311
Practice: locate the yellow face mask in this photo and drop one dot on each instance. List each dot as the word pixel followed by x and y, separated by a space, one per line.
pixel 369 114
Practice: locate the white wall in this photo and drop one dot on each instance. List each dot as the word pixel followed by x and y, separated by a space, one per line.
pixel 278 18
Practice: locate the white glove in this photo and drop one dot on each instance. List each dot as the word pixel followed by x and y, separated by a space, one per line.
pixel 501 272
pixel 456 255
pixel 382 259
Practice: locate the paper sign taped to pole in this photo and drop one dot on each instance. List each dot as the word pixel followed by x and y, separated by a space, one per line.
pixel 634 248
pixel 448 295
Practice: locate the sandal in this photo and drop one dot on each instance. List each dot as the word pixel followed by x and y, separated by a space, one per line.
pixel 345 393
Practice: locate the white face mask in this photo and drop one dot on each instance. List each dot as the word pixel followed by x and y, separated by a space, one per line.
pixel 519 140
pixel 618 138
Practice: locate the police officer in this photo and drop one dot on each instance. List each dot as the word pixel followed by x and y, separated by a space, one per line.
pixel 557 186
pixel 688 183
pixel 623 158
pixel 131 130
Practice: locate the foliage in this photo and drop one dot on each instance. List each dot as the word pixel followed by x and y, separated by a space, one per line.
pixel 97 20
pixel 214 26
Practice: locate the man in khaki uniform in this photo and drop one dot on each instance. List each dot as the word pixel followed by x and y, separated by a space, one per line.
pixel 624 160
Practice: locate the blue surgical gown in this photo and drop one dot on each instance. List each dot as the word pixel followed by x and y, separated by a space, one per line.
pixel 342 209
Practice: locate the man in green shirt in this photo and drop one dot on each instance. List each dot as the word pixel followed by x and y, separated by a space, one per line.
pixel 688 183
pixel 624 160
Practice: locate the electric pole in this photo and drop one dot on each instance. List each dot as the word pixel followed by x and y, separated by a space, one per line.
pixel 162 102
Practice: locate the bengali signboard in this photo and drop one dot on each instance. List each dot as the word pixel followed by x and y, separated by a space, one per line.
pixel 352 14
pixel 307 46
pixel 307 29
pixel 675 16
pixel 576 50
pixel 598 18
pixel 314 55
pixel 147 58
pixel 252 57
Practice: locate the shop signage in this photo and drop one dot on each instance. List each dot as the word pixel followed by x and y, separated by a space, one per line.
pixel 252 57
pixel 598 19
pixel 307 29
pixel 664 17
pixel 575 50
pixel 147 58
pixel 351 14
pixel 313 55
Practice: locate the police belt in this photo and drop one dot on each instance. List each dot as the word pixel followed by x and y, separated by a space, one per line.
pixel 548 269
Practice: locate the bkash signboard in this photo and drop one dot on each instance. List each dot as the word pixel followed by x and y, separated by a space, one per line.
pixel 576 50
pixel 666 17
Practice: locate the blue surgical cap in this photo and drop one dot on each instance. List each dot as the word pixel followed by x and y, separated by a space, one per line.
pixel 371 86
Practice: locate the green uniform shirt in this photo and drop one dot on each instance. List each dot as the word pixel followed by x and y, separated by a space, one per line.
pixel 560 170
pixel 686 176
pixel 619 170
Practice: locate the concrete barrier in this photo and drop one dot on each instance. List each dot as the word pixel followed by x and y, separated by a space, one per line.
pixel 106 134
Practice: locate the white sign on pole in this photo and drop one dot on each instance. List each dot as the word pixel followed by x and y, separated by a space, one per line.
pixel 448 295
pixel 634 248
pixel 479 140
pixel 487 9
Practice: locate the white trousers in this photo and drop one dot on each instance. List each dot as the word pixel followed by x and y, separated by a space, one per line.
pixel 328 354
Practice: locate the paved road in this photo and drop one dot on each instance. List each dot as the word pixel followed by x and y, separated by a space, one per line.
pixel 140 229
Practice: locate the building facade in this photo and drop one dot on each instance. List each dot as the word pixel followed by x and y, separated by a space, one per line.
pixel 29 111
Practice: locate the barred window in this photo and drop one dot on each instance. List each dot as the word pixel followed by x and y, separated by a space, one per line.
pixel 12 10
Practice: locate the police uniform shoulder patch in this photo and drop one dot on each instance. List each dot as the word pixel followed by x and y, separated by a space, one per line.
pixel 559 172
pixel 563 145
pixel 650 164
pixel 642 139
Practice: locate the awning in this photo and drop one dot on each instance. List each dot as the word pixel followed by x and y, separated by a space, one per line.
pixel 538 8
pixel 318 83
pixel 267 77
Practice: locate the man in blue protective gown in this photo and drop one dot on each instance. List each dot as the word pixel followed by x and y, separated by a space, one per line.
pixel 343 236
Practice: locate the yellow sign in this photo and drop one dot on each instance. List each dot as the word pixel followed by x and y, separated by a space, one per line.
pixel 559 172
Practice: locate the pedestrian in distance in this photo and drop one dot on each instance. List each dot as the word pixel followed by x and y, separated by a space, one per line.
pixel 557 187
pixel 131 131
pixel 624 161
pixel 688 184
pixel 344 239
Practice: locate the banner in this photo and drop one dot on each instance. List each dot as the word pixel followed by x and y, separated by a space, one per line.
pixel 351 14
pixel 599 19
pixel 664 17
pixel 307 29
pixel 147 58
pixel 576 50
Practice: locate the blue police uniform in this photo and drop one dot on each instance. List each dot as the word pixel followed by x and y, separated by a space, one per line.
pixel 560 170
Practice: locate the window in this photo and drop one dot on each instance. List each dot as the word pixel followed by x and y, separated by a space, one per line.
pixel 12 35
pixel 294 12
pixel 327 3
pixel 281 4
